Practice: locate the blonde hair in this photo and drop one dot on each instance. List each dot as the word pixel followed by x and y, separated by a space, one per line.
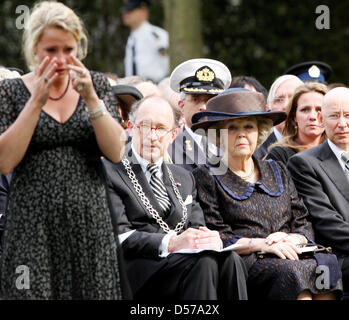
pixel 290 131
pixel 264 126
pixel 52 14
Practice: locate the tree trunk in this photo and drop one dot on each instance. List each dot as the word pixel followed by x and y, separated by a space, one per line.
pixel 183 22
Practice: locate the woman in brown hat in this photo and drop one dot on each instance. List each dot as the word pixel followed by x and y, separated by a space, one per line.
pixel 303 129
pixel 254 202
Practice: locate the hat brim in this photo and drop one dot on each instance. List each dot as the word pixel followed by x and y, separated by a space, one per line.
pixel 203 90
pixel 127 94
pixel 205 119
pixel 121 90
pixel 129 7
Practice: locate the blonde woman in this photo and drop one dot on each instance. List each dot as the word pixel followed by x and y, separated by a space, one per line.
pixel 303 128
pixel 55 123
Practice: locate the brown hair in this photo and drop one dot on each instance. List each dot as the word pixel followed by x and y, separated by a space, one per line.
pixel 290 131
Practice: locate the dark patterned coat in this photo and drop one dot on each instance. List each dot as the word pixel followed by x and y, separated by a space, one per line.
pixel 237 209
pixel 279 153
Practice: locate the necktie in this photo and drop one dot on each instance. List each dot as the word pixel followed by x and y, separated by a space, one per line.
pixel 345 158
pixel 158 187
pixel 134 68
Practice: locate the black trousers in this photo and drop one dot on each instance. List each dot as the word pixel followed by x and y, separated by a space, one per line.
pixel 203 276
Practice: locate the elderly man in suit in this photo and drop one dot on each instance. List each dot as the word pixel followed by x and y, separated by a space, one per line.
pixel 321 175
pixel 154 208
pixel 281 91
pixel 196 80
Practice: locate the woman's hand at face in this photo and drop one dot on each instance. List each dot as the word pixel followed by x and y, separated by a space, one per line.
pixel 81 79
pixel 44 76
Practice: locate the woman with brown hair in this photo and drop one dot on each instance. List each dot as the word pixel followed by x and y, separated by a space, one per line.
pixel 303 128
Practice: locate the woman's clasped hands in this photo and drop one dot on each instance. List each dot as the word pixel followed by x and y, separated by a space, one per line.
pixel 281 244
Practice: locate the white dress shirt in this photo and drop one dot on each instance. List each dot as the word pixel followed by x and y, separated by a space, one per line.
pixel 338 153
pixel 163 249
pixel 277 133
pixel 144 164
pixel 151 58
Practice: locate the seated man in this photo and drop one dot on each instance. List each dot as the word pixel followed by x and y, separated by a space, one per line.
pixel 153 206
pixel 321 176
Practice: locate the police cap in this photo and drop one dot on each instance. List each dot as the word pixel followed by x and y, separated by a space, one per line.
pixel 311 71
pixel 130 5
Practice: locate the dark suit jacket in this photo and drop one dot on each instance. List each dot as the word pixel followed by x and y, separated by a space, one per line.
pixel 185 152
pixel 141 248
pixel 263 148
pixel 321 182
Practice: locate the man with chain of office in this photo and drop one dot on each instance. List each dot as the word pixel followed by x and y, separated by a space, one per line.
pixel 153 206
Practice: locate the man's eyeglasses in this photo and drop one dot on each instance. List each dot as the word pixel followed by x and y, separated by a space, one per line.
pixel 279 99
pixel 146 129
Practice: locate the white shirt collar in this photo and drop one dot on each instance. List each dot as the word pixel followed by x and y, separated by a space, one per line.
pixel 144 163
pixel 337 152
pixel 277 133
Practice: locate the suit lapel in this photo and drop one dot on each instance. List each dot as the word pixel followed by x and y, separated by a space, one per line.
pixel 334 171
pixel 176 212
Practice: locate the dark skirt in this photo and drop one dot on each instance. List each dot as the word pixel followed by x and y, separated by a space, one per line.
pixel 279 279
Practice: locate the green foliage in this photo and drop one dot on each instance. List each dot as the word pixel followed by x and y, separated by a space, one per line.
pixel 260 38
pixel 263 38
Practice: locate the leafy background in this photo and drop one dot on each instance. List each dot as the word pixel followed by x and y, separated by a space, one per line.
pixel 259 38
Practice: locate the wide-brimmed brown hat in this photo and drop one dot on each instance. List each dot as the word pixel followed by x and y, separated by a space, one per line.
pixel 232 104
pixel 127 94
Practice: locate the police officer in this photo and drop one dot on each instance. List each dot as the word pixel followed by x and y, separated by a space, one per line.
pixel 311 71
pixel 147 46
pixel 196 80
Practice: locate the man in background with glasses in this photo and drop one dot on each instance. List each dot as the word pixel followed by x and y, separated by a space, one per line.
pixel 153 207
pixel 281 91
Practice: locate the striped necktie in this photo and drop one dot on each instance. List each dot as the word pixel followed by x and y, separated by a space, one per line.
pixel 345 158
pixel 158 187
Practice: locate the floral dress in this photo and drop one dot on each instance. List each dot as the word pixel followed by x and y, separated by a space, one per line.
pixel 58 240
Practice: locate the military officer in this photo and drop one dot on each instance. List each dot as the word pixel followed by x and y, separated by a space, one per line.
pixel 196 80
